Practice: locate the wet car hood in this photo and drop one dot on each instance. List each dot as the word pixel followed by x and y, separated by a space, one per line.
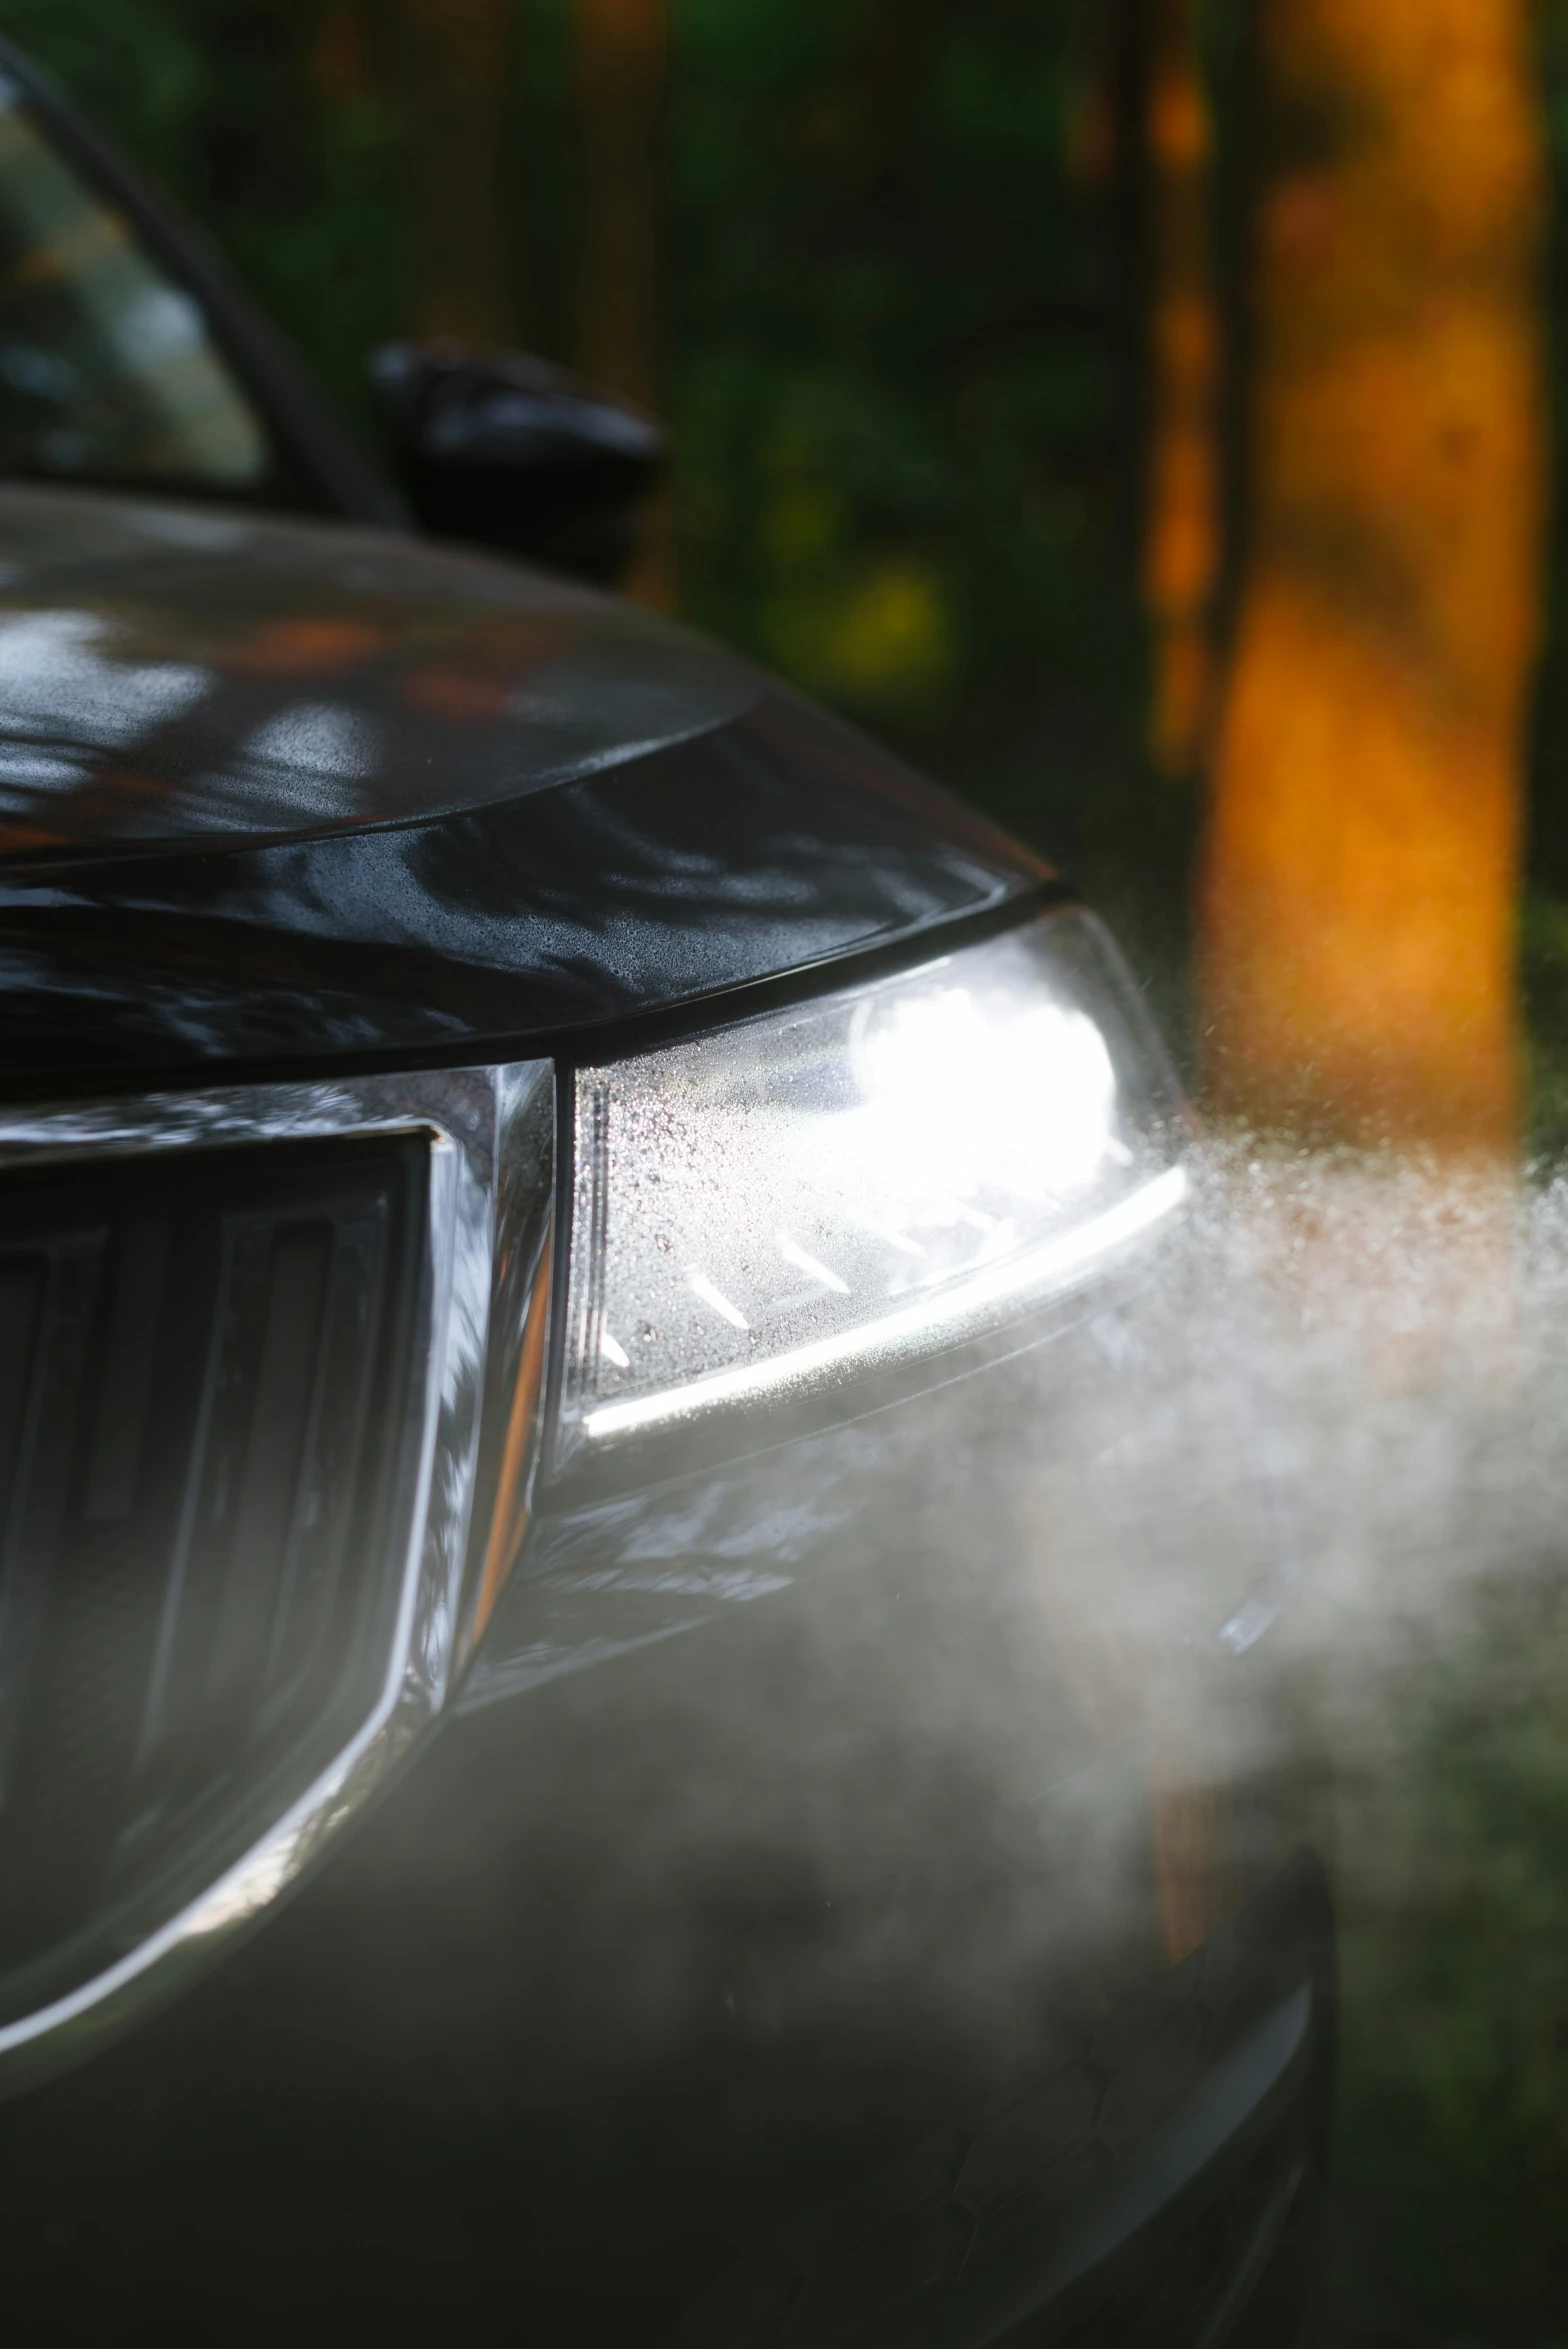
pixel 172 677
pixel 273 793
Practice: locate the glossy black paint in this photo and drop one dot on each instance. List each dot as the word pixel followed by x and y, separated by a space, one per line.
pixel 273 795
pixel 501 449
pixel 172 678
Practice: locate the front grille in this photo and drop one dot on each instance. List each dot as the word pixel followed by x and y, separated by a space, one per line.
pixel 207 1370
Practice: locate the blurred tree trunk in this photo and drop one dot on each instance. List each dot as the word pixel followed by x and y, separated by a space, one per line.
pixel 1357 901
pixel 1182 525
pixel 458 64
pixel 620 71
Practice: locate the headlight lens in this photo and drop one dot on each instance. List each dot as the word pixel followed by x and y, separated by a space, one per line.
pixel 812 1194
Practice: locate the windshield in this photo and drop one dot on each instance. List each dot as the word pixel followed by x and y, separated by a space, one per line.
pixel 108 371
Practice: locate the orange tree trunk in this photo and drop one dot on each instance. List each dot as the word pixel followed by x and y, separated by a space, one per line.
pixel 1181 543
pixel 458 58
pixel 1356 913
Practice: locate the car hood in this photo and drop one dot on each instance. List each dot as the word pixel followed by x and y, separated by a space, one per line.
pixel 171 677
pixel 276 795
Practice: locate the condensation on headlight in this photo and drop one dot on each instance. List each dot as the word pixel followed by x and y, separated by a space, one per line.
pixel 880 1173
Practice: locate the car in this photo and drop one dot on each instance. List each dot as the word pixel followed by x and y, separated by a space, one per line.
pixel 620 1584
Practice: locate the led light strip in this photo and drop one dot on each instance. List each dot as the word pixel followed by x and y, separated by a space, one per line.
pixel 1039 1267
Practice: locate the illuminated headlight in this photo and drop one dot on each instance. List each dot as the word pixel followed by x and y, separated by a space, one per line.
pixel 826 1191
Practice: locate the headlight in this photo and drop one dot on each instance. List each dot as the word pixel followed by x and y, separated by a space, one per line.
pixel 831 1190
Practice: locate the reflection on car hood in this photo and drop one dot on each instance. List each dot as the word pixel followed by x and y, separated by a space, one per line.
pixel 172 676
pixel 276 798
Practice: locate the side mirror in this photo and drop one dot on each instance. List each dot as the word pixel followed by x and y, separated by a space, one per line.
pixel 506 451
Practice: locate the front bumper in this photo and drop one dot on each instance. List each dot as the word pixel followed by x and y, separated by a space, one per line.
pixel 1159 2185
pixel 544 2052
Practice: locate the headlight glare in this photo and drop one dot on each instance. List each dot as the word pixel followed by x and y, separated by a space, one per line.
pixel 802 1197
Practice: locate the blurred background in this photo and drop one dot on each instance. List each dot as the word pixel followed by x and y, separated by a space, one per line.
pixel 1145 414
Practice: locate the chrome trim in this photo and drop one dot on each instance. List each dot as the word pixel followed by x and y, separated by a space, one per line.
pixel 1030 1278
pixel 482 1220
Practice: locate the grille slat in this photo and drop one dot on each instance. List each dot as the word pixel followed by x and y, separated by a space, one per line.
pixel 114 1457
pixel 261 1569
pixel 45 1444
pixel 22 1288
pixel 205 1379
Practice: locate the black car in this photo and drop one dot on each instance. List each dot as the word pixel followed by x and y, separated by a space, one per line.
pixel 594 1282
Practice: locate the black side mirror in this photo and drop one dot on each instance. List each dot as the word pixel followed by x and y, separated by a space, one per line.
pixel 504 450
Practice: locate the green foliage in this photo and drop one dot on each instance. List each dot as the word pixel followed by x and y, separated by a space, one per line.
pixel 1544 969
pixel 1449 1845
pixel 897 410
pixel 140 67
